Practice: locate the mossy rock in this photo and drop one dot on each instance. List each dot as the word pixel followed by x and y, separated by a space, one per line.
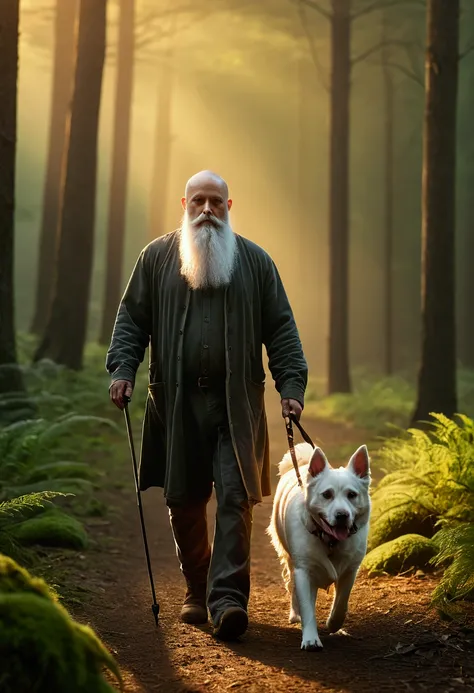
pixel 399 555
pixel 14 578
pixel 44 650
pixel 405 519
pixel 51 528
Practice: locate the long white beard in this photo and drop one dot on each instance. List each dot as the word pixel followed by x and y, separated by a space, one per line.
pixel 207 251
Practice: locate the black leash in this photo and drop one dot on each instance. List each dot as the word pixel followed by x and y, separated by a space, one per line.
pixel 155 607
pixel 289 421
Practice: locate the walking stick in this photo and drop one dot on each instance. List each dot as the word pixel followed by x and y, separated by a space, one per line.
pixel 155 607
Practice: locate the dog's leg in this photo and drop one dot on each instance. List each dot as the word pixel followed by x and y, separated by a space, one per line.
pixel 295 607
pixel 341 600
pixel 306 595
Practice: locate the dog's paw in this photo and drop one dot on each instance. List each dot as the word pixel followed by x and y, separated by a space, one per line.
pixel 335 622
pixel 312 644
pixel 294 617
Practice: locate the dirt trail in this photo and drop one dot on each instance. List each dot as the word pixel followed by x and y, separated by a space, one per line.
pixel 175 657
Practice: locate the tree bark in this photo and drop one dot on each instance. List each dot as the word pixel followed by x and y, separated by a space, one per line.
pixel 120 160
pixel 10 375
pixel 389 171
pixel 339 375
pixel 63 76
pixel 437 374
pixel 65 335
pixel 465 224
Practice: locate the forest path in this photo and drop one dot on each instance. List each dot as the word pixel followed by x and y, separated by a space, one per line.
pixel 177 657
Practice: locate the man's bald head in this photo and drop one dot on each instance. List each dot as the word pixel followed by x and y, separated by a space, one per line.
pixel 205 179
pixel 206 194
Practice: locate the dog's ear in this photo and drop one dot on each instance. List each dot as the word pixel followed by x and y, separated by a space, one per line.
pixel 359 462
pixel 318 462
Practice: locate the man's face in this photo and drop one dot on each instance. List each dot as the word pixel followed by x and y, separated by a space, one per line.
pixel 206 199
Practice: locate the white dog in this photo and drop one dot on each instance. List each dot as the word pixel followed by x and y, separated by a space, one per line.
pixel 320 532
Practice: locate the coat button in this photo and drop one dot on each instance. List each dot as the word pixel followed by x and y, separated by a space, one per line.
pixel 205 346
pixel 177 384
pixel 181 332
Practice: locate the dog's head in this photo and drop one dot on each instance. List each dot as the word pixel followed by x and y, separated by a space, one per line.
pixel 338 498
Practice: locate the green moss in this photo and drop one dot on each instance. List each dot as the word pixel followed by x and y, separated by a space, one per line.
pixel 14 578
pixel 399 555
pixel 44 650
pixel 409 518
pixel 51 528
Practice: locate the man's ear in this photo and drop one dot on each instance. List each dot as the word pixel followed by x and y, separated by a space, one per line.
pixel 229 204
pixel 183 203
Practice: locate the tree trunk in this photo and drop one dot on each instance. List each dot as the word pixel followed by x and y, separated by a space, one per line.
pixel 465 224
pixel 65 335
pixel 437 373
pixel 10 375
pixel 63 76
pixel 466 351
pixel 162 160
pixel 120 159
pixel 339 376
pixel 389 169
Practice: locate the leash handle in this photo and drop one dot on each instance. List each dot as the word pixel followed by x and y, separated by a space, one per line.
pixel 289 420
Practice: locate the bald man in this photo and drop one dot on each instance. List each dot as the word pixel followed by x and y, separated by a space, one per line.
pixel 204 300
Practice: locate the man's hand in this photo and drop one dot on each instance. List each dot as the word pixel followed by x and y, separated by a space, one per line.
pixel 291 406
pixel 118 389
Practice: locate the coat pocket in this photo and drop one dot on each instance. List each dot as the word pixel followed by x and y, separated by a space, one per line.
pixel 158 398
pixel 256 398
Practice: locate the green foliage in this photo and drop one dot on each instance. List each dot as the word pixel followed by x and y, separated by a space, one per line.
pixel 410 551
pixel 456 550
pixel 51 528
pixel 42 452
pixel 381 405
pixel 433 470
pixel 430 483
pixel 375 405
pixel 42 649
pixel 17 511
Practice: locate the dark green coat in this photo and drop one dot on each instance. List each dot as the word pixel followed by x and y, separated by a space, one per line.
pixel 153 312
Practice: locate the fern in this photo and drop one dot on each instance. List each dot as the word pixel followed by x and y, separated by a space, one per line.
pixel 456 550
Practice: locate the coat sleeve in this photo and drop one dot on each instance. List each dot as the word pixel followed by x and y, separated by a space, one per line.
pixel 281 338
pixel 132 329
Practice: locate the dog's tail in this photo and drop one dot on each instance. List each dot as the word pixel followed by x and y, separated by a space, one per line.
pixel 303 452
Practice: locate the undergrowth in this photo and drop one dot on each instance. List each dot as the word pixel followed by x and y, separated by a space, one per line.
pixel 430 474
pixel 379 405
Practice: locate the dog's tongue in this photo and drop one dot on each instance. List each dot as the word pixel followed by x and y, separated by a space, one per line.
pixel 339 533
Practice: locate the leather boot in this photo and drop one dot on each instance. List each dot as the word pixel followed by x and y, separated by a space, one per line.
pixel 189 525
pixel 194 609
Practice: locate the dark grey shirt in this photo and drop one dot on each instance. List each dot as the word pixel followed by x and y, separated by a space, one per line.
pixel 204 345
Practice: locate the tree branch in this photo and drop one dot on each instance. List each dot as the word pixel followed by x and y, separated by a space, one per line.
pixel 312 47
pixel 383 5
pixel 378 46
pixel 466 51
pixel 314 6
pixel 407 72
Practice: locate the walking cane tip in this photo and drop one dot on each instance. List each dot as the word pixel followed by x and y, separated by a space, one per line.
pixel 156 610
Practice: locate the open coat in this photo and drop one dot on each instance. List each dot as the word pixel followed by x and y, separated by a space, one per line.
pixel 153 313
